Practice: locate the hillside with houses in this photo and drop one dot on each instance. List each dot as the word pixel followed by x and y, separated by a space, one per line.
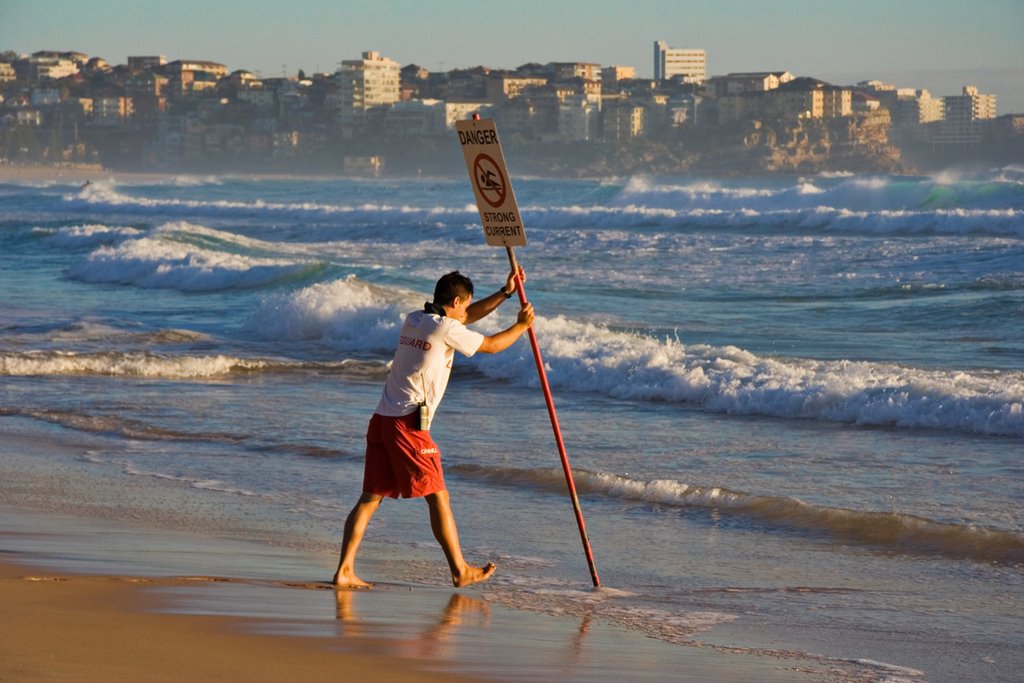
pixel 374 116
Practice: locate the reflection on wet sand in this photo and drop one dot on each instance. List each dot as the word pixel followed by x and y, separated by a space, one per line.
pixel 461 611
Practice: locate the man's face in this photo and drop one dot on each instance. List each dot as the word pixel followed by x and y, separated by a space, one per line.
pixel 457 309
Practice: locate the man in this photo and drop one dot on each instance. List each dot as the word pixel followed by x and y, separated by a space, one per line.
pixel 402 459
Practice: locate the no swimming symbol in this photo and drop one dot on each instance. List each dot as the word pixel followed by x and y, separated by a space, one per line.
pixel 490 180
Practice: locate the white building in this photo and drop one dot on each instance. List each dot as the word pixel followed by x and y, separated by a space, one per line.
pixel 689 64
pixel 416 117
pixel 913 108
pixel 964 117
pixel 459 111
pixel 971 105
pixel 43 66
pixel 579 117
pixel 364 85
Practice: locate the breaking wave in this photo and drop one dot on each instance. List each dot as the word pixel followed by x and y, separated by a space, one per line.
pixel 355 317
pixel 166 366
pixel 942 205
pixel 185 257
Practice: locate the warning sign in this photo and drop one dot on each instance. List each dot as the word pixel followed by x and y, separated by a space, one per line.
pixel 503 227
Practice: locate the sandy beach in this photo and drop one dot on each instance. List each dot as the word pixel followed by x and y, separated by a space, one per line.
pixel 60 627
pixel 94 623
pixel 67 173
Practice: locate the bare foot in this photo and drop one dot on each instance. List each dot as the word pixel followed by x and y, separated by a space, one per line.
pixel 473 575
pixel 349 581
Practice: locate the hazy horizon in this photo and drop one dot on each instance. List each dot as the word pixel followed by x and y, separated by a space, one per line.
pixel 940 45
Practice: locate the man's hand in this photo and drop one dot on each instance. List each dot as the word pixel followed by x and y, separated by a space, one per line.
pixel 526 315
pixel 510 283
pixel 504 339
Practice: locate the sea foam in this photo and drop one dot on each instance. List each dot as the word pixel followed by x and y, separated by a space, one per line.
pixel 874 205
pixel 203 260
pixel 354 316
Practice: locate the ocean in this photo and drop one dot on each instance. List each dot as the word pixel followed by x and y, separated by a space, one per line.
pixel 794 407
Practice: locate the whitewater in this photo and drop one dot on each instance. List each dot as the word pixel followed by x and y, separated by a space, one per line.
pixel 799 400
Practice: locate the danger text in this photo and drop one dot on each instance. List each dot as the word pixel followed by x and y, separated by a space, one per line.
pixel 478 137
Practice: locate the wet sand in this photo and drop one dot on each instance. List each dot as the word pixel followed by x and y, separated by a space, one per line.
pixel 60 627
pixel 92 600
pixel 69 173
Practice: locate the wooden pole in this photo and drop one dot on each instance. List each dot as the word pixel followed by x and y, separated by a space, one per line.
pixel 554 425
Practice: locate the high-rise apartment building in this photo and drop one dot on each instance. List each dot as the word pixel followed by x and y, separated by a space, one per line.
pixel 970 106
pixel 689 64
pixel 366 84
pixel 962 126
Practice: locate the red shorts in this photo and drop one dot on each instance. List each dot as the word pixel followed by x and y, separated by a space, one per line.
pixel 401 460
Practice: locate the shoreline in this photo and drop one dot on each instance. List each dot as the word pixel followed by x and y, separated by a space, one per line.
pixel 79 173
pixel 122 621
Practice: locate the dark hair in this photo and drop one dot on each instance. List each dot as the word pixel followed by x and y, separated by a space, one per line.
pixel 452 285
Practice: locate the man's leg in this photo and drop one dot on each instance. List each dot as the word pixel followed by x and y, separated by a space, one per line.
pixel 443 525
pixel 355 527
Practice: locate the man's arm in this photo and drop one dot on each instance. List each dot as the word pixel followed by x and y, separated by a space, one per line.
pixel 504 339
pixel 482 308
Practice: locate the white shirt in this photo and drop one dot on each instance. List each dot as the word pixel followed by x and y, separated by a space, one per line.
pixel 423 362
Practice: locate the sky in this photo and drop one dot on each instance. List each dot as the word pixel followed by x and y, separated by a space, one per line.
pixel 940 45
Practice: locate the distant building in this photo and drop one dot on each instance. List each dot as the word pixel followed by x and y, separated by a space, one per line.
pixel 189 75
pixel 197 66
pixel 684 110
pixel 911 111
pixel 971 105
pixel 579 116
pixel 52 65
pixel 743 82
pixel 365 85
pixel 147 84
pixel 566 71
pixel 611 75
pixel 111 110
pixel 865 101
pixel 136 64
pixel 810 98
pixel 416 118
pixel 503 87
pixel 690 65
pixel 623 119
pixel 964 117
pixel 7 72
pixel 876 85
pixel 457 111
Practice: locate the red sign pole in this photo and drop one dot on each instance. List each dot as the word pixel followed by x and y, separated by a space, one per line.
pixel 503 226
pixel 554 425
